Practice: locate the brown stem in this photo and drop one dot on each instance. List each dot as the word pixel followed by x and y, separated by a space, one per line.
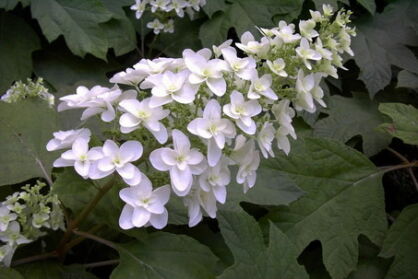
pixel 83 214
pixel 399 155
pixel 102 263
pixel 39 257
pixel 401 166
pixel 96 238
pixel 80 239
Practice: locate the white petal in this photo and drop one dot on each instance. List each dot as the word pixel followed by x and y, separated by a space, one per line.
pixel 217 86
pixel 140 217
pixel 131 150
pixel 214 153
pixel 156 159
pixel 60 162
pixel 136 179
pixel 161 135
pixel 127 171
pixel 220 193
pixel 125 219
pixel 82 168
pixel 159 221
pixel 181 180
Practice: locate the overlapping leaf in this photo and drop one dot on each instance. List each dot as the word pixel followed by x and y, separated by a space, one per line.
pixel 253 260
pixel 344 199
pixel 349 117
pixel 405 121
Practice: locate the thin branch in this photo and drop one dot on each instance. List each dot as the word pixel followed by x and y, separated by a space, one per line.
pixel 39 257
pixel 399 155
pixel 102 263
pixel 80 239
pixel 96 238
pixel 414 179
pixel 401 166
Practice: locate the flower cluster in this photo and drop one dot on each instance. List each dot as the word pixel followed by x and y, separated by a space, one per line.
pixel 30 89
pixel 195 117
pixel 164 11
pixel 24 215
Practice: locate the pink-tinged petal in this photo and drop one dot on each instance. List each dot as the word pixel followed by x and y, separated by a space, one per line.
pixel 217 86
pixel 82 168
pixel 129 195
pixel 159 101
pixel 110 148
pixel 125 219
pixel 181 180
pixel 131 150
pixel 136 179
pixel 180 141
pixel 247 129
pixel 127 171
pixel 105 165
pixel 159 221
pixel 161 135
pixel 69 155
pixel 95 173
pixel 162 194
pixel 156 159
pixel 60 163
pixel 212 110
pixel 90 112
pixel 131 106
pixel 129 120
pixel 140 217
pixel 214 153
pixel 220 193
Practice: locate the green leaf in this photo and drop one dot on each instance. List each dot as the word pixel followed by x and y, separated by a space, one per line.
pixel 252 258
pixel 405 121
pixel 380 43
pixel 9 5
pixel 18 41
pixel 370 5
pixel 214 6
pixel 344 199
pixel 364 117
pixel 407 79
pixel 9 273
pixel 53 270
pixel 401 243
pixel 75 192
pixel 120 31
pixel 77 20
pixel 165 255
pixel 242 16
pixel 23 140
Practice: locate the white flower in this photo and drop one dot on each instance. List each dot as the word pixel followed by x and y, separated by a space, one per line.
pixel 80 157
pixel 286 32
pixel 182 162
pixel 178 6
pixel 304 85
pixel 248 159
pixel 141 113
pixel 205 70
pixel 306 53
pixel 64 139
pixel 317 92
pixel 242 111
pixel 251 46
pixel 216 179
pixel 328 10
pixel 129 77
pixel 119 159
pixel 217 50
pixel 155 66
pixel 197 199
pixel 325 53
pixel 139 7
pixel 159 5
pixel 316 16
pixel 144 206
pixel 277 67
pixel 261 87
pixel 307 29
pixel 265 138
pixel 12 235
pixel 169 26
pixel 156 26
pixel 284 114
pixel 214 128
pixel 242 67
pixel 6 254
pixel 5 217
pixel 168 87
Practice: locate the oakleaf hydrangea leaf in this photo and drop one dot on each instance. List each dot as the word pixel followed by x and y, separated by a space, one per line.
pixel 405 121
pixel 344 198
pixel 401 242
pixel 253 260
pixel 364 117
